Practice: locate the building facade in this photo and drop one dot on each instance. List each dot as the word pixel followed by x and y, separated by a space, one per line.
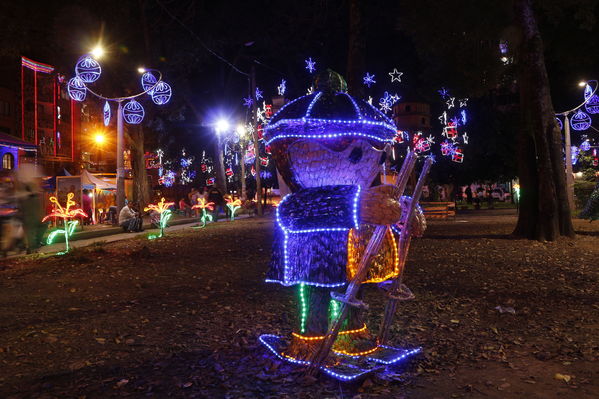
pixel 49 119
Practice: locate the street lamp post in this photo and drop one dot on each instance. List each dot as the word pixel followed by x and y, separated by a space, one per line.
pixel 88 70
pixel 569 175
pixel 568 142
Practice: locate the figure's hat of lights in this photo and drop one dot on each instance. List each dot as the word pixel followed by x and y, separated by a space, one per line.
pixel 330 113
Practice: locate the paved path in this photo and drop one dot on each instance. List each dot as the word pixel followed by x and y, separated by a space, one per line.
pixel 79 243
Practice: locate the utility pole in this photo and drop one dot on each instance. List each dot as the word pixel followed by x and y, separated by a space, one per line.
pixel 256 141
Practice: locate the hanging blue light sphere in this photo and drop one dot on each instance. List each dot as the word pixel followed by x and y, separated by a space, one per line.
pixel 148 80
pixel 76 89
pixel 580 121
pixel 107 113
pixel 88 69
pixel 559 123
pixel 133 112
pixel 592 105
pixel 162 93
pixel 585 145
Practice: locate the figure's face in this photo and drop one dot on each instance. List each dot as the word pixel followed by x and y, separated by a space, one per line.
pixel 315 165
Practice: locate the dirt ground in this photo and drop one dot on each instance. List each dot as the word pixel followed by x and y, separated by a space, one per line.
pixel 180 316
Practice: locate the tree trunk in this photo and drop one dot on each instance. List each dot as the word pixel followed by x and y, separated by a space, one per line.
pixel 219 166
pixel 544 212
pixel 243 182
pixel 141 189
pixel 356 49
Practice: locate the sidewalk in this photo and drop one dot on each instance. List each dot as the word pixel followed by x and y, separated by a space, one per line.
pixel 105 234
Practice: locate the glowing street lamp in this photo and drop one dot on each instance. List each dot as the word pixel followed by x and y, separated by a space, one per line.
pixel 99 139
pixel 241 131
pixel 97 52
pixel 222 125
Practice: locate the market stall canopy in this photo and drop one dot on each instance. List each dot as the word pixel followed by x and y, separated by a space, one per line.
pixel 90 181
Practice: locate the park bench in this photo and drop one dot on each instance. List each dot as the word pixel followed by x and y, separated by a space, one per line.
pixel 438 210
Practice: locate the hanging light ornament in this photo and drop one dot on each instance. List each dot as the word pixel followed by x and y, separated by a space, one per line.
pixel 161 94
pixel 559 123
pixel 592 105
pixel 580 120
pixel 148 80
pixel 133 112
pixel 107 113
pixel 76 89
pixel 88 69
pixel 585 145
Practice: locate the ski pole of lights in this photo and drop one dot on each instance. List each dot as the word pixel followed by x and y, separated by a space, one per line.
pixel 568 141
pixel 87 71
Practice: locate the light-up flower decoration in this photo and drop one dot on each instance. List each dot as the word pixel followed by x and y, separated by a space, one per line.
pixel 203 205
pixel 66 213
pixel 162 208
pixel 233 205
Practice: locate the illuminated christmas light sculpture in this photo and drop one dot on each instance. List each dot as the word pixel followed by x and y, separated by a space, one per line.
pixel 76 89
pixel 332 232
pixel 66 213
pixel 133 112
pixel 106 112
pixel 88 69
pixel 580 120
pixel 203 205
pixel 161 94
pixel 165 213
pixel 233 206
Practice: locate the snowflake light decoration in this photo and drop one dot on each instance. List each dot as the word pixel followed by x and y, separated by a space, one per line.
pixel 395 75
pixel 282 88
pixel 443 92
pixel 310 65
pixel 248 102
pixel 369 79
pixel 258 94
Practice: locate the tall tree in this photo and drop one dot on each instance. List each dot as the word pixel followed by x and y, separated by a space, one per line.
pixel 460 43
pixel 544 208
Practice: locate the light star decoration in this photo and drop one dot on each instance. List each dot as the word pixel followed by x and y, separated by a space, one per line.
pixel 395 75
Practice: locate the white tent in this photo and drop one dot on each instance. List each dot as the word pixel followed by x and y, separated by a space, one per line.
pixel 90 181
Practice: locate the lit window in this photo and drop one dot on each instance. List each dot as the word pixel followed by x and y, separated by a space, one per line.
pixel 8 161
